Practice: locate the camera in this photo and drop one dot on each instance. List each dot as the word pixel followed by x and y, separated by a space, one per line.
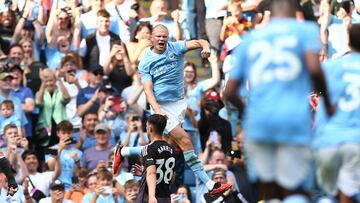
pixel 5 64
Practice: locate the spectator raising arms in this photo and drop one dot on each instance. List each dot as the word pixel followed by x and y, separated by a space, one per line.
pixel 51 100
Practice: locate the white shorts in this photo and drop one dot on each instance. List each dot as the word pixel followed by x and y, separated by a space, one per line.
pixel 338 167
pixel 287 165
pixel 175 112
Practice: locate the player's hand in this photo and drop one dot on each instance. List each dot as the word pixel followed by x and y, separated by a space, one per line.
pixel 152 200
pixel 161 112
pixel 205 52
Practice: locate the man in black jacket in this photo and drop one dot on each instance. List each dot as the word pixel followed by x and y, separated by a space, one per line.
pixel 95 49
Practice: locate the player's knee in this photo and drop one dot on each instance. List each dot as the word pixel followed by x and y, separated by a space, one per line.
pixel 185 142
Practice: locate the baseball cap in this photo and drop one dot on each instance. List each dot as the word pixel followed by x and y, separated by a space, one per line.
pixel 102 126
pixel 4 75
pixel 214 96
pixel 57 184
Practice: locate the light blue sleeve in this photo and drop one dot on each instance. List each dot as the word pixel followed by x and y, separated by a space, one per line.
pixel 179 47
pixel 311 38
pixel 144 68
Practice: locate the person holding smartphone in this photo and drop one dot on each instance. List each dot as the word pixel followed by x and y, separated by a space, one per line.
pixel 70 156
pixel 104 191
pixel 134 136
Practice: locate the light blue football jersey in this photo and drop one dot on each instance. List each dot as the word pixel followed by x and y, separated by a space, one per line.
pixel 166 71
pixel 272 60
pixel 343 80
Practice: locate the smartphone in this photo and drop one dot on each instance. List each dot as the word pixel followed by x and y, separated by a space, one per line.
pixel 72 141
pixel 51 151
pixel 107 190
pixel 74 180
pixel 214 136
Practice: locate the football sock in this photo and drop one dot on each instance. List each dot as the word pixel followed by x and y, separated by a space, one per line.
pixel 129 151
pixel 194 163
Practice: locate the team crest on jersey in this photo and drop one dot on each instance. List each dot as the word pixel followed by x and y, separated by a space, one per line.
pixel 171 56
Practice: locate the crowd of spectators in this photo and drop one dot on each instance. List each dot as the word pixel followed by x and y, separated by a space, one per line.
pixel 70 90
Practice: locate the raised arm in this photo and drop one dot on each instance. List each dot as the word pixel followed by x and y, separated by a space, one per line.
pixel 194 44
pixel 51 29
pixel 77 29
pixel 19 26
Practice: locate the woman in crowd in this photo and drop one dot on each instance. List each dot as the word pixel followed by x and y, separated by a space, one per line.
pixel 139 42
pixel 51 100
pixel 193 93
pixel 29 52
pixel 183 195
pixel 118 68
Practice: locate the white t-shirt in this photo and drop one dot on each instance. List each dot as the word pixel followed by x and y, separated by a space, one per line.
pixel 71 106
pixel 48 200
pixel 42 181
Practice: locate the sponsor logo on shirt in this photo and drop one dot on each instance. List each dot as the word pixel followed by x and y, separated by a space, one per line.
pixel 155 72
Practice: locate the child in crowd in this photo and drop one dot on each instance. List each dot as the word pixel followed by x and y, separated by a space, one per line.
pixel 7 111
pixel 132 188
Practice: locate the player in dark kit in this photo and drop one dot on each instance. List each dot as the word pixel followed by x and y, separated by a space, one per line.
pixel 159 164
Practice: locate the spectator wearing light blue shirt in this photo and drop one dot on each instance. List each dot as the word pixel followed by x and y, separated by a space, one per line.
pixel 104 192
pixel 70 157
